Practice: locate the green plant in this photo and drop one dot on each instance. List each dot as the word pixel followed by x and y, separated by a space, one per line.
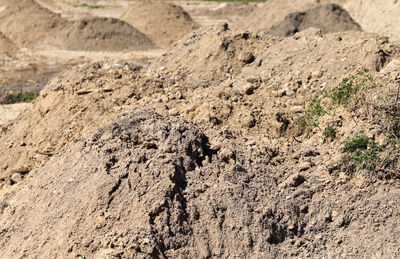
pixel 362 151
pixel 329 133
pixel 89 6
pixel 20 97
pixel 342 94
pixel 310 118
pixel 235 0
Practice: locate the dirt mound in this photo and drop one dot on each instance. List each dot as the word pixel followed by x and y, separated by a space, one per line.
pixel 328 18
pixel 164 23
pixel 44 26
pixel 26 23
pixel 248 81
pixel 377 16
pixel 99 34
pixel 6 45
pixel 77 102
pixel 151 186
pixel 251 83
pixel 273 12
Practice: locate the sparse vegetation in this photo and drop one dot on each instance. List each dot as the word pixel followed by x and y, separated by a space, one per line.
pixel 347 92
pixel 260 1
pixel 329 134
pixel 20 97
pixel 310 118
pixel 362 151
pixel 89 6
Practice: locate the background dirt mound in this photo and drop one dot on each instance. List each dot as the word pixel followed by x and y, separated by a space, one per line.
pixel 273 12
pixel 153 186
pixel 6 45
pixel 164 23
pixel 26 23
pixel 377 16
pixel 99 34
pixel 328 18
pixel 44 26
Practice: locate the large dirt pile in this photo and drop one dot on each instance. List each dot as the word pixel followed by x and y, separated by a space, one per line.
pixel 273 12
pixel 44 26
pixel 77 102
pixel 151 186
pixel 249 81
pixel 164 23
pixel 253 83
pixel 328 18
pixel 6 45
pixel 377 16
pixel 99 34
pixel 26 23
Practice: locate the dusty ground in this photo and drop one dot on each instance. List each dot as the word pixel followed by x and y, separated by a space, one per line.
pixel 232 143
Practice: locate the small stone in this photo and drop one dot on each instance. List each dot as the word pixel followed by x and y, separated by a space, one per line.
pixel 317 74
pixel 303 166
pixel 280 92
pixel 16 177
pixel 173 112
pixel 293 181
pixel 100 221
pixel 246 57
pixel 70 180
pixel 226 155
pixel 248 89
pixel 289 92
pixel 297 109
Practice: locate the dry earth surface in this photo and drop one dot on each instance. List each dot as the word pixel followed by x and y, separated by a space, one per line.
pixel 274 135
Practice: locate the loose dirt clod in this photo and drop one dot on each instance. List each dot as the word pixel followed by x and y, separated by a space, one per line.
pixel 164 23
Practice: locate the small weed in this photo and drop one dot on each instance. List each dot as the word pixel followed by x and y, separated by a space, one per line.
pixel 20 97
pixel 329 134
pixel 311 116
pixel 349 87
pixel 362 151
pixel 315 108
pixel 260 1
pixel 89 6
pixel 342 94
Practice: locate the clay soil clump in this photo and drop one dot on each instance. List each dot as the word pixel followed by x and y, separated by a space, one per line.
pixel 164 23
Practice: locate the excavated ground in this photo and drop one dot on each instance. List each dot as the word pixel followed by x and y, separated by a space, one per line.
pixel 232 143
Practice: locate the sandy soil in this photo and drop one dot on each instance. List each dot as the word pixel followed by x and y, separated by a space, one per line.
pixel 230 143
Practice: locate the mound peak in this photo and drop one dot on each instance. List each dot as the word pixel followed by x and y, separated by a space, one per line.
pixel 328 17
pixel 164 23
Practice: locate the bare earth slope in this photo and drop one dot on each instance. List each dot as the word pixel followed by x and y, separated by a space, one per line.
pixel 150 186
pixel 165 23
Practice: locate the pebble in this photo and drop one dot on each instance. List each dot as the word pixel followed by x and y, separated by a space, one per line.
pixel 297 109
pixel 248 89
pixel 303 166
pixel 16 177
